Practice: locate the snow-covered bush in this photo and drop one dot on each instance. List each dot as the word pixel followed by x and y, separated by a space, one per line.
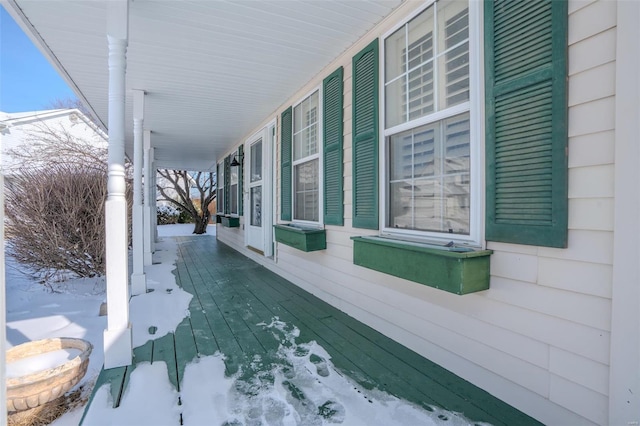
pixel 167 215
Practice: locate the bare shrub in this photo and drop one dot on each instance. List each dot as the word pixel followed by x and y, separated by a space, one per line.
pixel 54 207
pixel 55 220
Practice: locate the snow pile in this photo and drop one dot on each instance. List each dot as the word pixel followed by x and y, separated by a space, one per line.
pixel 296 385
pixel 165 305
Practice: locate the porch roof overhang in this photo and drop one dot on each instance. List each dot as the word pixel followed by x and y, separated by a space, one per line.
pixel 212 70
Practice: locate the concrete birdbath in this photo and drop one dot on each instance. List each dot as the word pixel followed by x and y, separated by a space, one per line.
pixel 42 371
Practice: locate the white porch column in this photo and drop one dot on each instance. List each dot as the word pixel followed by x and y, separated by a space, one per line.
pixel 138 278
pixel 117 336
pixel 624 373
pixel 149 190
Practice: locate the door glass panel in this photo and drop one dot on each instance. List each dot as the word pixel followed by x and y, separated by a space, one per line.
pixel 256 206
pixel 256 161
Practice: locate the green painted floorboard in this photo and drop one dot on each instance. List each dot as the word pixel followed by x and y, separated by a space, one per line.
pixel 234 301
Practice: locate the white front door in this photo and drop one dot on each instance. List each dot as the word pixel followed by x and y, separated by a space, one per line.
pixel 256 191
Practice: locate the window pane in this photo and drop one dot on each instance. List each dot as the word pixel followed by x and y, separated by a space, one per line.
pixel 425 156
pixel 400 153
pixel 256 206
pixel 306 191
pixel 453 32
pixel 420 89
pixel 429 177
pixel 420 40
pixel 428 214
pixel 400 205
pixel 305 131
pixel 457 141
pixel 457 204
pixel 396 102
pixel 395 61
pixel 256 162
pixel 233 198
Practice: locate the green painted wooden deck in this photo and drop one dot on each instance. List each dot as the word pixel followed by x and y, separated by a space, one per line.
pixel 234 297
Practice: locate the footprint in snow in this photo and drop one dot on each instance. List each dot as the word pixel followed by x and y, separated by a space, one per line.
pixel 321 365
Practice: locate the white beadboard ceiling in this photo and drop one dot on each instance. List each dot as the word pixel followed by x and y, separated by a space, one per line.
pixel 212 69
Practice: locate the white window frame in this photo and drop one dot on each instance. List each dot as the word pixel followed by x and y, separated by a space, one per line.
pixel 318 156
pixel 238 191
pixel 474 106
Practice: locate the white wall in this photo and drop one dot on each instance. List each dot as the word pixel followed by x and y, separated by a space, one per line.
pixel 539 338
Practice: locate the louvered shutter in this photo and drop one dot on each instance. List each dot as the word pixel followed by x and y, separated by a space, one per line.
pixel 365 137
pixel 526 121
pixel 227 184
pixel 332 89
pixel 285 165
pixel 219 206
pixel 240 180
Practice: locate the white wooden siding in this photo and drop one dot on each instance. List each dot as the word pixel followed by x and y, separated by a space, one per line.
pixel 539 338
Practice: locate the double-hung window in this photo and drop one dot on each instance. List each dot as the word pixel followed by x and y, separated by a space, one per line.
pixel 233 190
pixel 306 159
pixel 428 133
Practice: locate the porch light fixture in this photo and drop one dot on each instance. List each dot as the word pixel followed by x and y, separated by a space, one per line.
pixel 235 162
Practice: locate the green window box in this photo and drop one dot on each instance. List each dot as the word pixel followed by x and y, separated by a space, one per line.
pixel 219 218
pixel 456 270
pixel 301 238
pixel 230 222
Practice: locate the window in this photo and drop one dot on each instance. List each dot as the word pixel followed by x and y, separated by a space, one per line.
pixel 427 125
pixel 233 190
pixel 306 159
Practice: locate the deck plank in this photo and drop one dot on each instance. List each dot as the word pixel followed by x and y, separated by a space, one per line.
pixel 235 300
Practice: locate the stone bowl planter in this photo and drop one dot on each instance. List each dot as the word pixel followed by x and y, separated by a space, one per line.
pixel 38 388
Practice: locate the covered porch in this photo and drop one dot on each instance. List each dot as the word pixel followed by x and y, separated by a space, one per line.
pixel 264 327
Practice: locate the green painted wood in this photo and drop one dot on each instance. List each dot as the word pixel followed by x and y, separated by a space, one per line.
pixel 526 122
pixel 233 299
pixel 143 353
pixel 186 348
pixel 227 184
pixel 453 271
pixel 115 378
pixel 230 221
pixel 304 239
pixel 219 206
pixel 164 349
pixel 333 164
pixel 365 137
pixel 286 135
pixel 241 180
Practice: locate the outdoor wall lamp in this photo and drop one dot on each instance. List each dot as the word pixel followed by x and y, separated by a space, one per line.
pixel 235 162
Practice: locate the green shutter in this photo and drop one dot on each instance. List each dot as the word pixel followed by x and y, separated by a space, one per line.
pixel 526 122
pixel 333 129
pixel 227 184
pixel 218 205
pixel 365 137
pixel 240 180
pixel 285 165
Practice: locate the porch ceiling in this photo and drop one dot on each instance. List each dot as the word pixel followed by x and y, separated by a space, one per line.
pixel 212 70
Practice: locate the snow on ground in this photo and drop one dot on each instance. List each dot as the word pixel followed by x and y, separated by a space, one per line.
pixel 297 386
